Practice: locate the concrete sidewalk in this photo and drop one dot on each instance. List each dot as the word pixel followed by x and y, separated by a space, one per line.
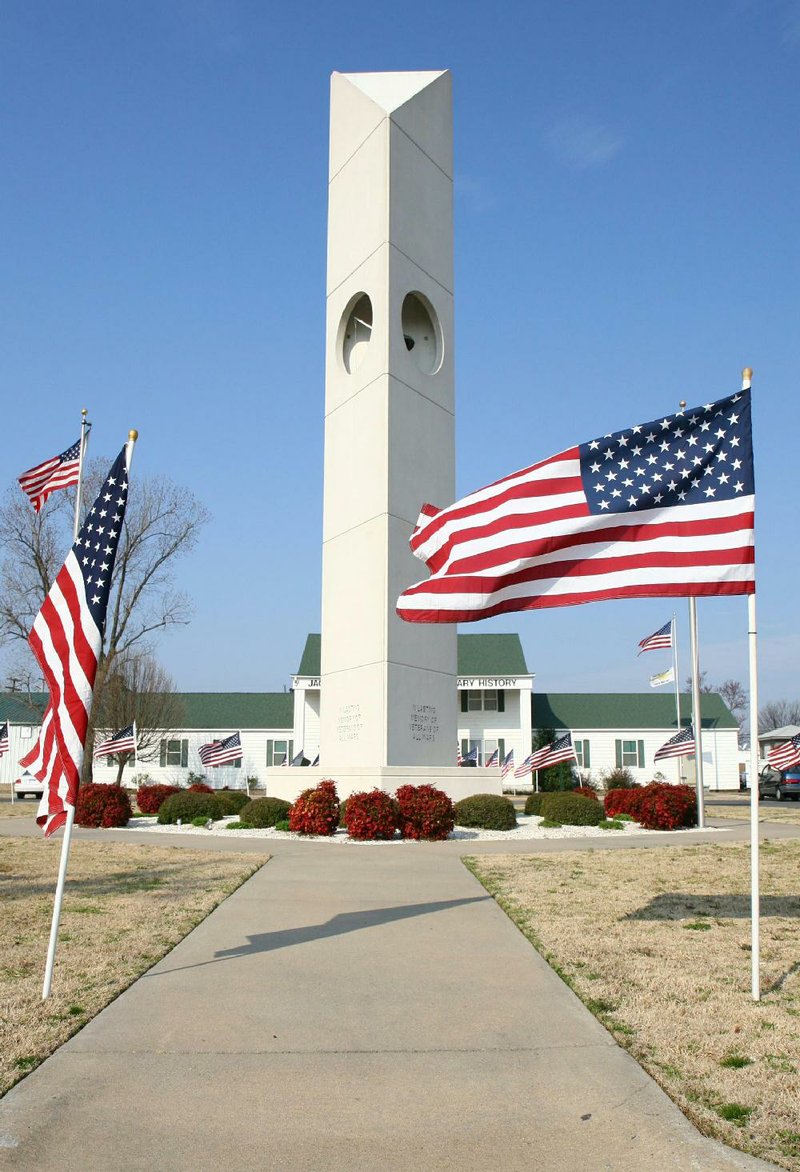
pixel 349 1008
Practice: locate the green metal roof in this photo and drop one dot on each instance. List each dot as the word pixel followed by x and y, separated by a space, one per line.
pixel 624 710
pixel 478 655
pixel 237 710
pixel 22 708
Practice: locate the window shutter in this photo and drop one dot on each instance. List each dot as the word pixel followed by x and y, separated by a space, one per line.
pixel 464 701
pixel 501 700
pixel 270 752
pixel 184 753
pixel 640 752
pixel 618 753
pixel 586 758
pixel 501 750
pixel 162 754
pixel 290 757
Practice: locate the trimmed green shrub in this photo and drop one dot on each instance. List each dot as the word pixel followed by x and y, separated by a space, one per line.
pixel 263 812
pixel 572 809
pixel 370 816
pixel 102 806
pixel 486 812
pixel 185 806
pixel 549 824
pixel 611 824
pixel 533 803
pixel 232 801
pixel 200 822
pixel 238 826
pixel 282 825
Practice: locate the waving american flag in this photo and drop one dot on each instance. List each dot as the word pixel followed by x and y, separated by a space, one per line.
pixel 58 472
pixel 657 509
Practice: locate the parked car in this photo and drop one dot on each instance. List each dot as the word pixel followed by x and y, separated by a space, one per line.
pixel 28 785
pixel 774 783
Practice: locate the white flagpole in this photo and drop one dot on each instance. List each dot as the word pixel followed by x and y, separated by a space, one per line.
pixel 755 902
pixel 67 839
pixel 697 720
pixel 135 750
pixel 678 760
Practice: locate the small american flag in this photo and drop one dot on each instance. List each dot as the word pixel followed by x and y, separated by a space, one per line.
pixel 493 759
pixel 3 739
pixel 315 761
pixel 508 764
pixel 123 741
pixel 471 757
pixel 655 510
pixel 57 472
pixel 221 752
pixel 298 758
pixel 786 754
pixel 66 640
pixel 658 640
pixel 681 745
pixel 562 749
pixel 459 758
pixel 525 768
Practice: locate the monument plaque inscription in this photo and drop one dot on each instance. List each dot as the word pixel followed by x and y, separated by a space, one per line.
pixel 423 723
pixel 350 723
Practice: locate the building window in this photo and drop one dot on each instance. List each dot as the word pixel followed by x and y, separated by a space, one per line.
pixel 583 755
pixel 467 746
pixel 279 752
pixel 489 747
pixel 174 753
pixel 483 700
pixel 629 754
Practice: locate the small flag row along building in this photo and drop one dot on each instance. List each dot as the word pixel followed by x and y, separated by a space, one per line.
pixel 499 711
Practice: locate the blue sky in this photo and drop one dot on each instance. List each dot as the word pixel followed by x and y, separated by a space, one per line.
pixel 626 236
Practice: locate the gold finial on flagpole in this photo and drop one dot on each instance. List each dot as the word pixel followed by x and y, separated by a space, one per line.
pixel 133 434
pixel 682 404
pixel 84 412
pixel 747 377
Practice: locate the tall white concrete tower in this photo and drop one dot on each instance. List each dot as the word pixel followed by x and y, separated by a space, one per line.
pixel 388 698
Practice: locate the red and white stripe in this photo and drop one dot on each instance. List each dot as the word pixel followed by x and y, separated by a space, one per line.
pixel 785 755
pixel 529 541
pixel 66 643
pixel 44 763
pixel 39 482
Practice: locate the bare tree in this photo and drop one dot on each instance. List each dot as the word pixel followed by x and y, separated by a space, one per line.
pixel 705 686
pixel 162 522
pixel 777 714
pixel 138 689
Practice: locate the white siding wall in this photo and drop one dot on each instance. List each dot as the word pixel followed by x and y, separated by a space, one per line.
pixel 254 760
pixel 21 738
pixel 720 755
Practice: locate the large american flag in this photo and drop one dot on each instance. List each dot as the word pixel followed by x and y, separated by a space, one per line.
pixel 659 509
pixel 3 739
pixel 221 752
pixel 66 639
pixel 508 764
pixel 681 745
pixel 562 749
pixel 658 640
pixel 122 741
pixel 57 472
pixel 786 754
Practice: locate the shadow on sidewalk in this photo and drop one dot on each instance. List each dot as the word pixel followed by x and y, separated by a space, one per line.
pixel 338 925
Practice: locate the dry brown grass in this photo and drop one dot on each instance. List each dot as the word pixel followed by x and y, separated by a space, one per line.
pixel 124 908
pixel 20 808
pixel 657 944
pixel 767 811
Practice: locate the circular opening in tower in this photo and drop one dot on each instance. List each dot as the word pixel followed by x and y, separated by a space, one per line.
pixel 355 331
pixel 421 333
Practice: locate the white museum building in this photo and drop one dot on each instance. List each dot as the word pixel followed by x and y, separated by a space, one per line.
pixel 498 708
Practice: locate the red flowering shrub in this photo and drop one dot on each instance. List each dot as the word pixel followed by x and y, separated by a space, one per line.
pixel 316 811
pixel 423 812
pixel 371 816
pixel 150 797
pixel 656 806
pixel 102 805
pixel 200 787
pixel 585 791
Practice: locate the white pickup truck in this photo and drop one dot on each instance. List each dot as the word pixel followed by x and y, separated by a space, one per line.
pixel 28 785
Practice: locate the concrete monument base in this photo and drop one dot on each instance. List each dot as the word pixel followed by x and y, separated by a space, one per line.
pixel 457 782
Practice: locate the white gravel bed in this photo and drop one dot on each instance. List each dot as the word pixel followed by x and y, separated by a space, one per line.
pixel 528 828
